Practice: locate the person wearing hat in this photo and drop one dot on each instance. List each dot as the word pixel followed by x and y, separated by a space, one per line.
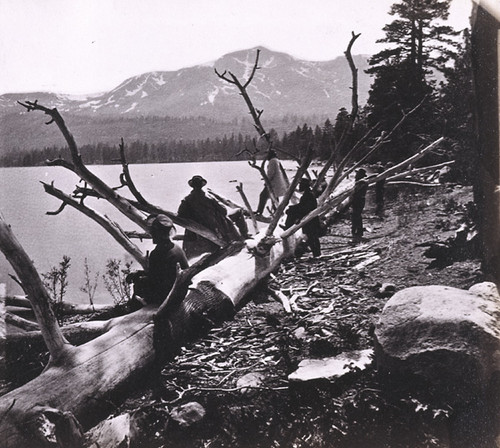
pixel 155 284
pixel 357 205
pixel 208 212
pixel 379 193
pixel 277 178
pixel 295 213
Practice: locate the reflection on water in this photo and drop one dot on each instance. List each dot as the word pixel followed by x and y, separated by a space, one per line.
pixel 46 239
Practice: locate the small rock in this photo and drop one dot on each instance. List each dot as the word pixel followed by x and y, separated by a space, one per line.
pixel 331 368
pixel 111 433
pixel 188 414
pixel 300 333
pixel 252 379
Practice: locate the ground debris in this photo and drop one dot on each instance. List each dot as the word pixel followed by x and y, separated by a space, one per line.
pixel 332 303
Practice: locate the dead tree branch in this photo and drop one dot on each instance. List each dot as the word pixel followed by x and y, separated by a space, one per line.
pixel 239 188
pixel 341 173
pixel 126 178
pixel 58 346
pixel 131 209
pixel 122 204
pixel 352 117
pixel 230 78
pixel 290 191
pixel 111 227
pixel 337 199
pixel 354 71
pixel 242 87
pixel 61 162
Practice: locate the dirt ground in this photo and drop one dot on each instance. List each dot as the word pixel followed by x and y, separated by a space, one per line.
pixel 335 303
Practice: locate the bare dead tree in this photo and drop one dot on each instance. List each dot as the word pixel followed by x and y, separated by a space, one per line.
pixel 125 346
pixel 136 211
pixel 58 346
pixel 353 154
pixel 339 146
pixel 110 226
pixel 231 78
pixel 336 199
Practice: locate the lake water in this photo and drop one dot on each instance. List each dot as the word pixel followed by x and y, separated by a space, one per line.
pixel 23 205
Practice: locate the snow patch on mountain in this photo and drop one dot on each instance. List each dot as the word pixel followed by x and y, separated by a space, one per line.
pixel 303 71
pixel 212 95
pixel 131 108
pixel 137 89
pixel 259 92
pixel 89 104
pixel 268 63
pixel 159 79
pixel 228 89
pixel 247 65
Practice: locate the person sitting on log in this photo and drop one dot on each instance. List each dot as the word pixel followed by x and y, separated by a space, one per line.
pixel 295 213
pixel 155 284
pixel 208 212
pixel 277 178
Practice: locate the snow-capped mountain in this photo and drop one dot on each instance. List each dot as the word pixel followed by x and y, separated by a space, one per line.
pixel 282 86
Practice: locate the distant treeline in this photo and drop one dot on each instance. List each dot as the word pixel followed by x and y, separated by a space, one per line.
pixel 231 147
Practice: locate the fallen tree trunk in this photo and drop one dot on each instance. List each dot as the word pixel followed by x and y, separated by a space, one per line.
pixel 96 370
pixel 19 305
pixel 91 373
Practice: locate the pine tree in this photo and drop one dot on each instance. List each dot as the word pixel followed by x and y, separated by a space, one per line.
pixel 418 45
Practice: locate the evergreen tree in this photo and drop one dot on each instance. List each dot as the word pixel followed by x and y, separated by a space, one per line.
pixel 327 140
pixel 417 46
pixel 342 124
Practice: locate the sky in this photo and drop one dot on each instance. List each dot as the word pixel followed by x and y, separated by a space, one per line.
pixel 89 46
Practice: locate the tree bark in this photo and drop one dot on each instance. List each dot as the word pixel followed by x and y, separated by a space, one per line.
pixel 57 345
pixel 485 63
pixel 99 368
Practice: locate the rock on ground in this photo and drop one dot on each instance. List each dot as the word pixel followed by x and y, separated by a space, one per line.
pixel 111 433
pixel 446 336
pixel 332 368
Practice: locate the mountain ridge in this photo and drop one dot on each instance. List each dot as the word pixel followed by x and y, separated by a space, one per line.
pixel 282 86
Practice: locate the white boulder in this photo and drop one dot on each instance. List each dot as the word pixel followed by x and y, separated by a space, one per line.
pixel 446 336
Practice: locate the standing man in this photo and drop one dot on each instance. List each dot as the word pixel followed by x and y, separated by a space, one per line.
pixel 296 212
pixel 379 194
pixel 357 206
pixel 277 179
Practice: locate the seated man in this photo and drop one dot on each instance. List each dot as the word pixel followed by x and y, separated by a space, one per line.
pixel 155 284
pixel 209 213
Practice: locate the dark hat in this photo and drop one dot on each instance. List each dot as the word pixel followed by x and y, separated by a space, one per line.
pixel 162 222
pixel 271 153
pixel 360 173
pixel 197 182
pixel 305 182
